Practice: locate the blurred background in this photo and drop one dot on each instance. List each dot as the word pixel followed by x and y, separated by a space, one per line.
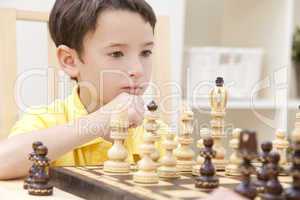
pixel 253 44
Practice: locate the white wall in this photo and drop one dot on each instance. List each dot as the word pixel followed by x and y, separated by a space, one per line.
pixel 203 23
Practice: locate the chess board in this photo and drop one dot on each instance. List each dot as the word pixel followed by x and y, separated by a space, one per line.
pixel 93 183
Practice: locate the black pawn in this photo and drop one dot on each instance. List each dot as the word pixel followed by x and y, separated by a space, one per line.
pixel 207 181
pixel 248 151
pixel 40 185
pixel 274 190
pixel 293 193
pixel 152 106
pixel 32 157
pixel 262 172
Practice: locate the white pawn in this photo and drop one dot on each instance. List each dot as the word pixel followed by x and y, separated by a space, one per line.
pixel 184 153
pixel 234 161
pixel 117 154
pixel 151 125
pixel 204 132
pixel 168 161
pixel 281 145
pixel 146 173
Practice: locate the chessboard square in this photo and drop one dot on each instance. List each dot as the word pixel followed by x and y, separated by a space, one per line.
pixel 285 179
pixel 177 194
pixel 224 181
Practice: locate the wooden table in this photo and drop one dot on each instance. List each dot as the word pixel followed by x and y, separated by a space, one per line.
pixel 13 189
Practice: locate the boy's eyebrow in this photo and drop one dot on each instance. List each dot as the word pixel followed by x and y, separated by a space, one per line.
pixel 149 44
pixel 112 44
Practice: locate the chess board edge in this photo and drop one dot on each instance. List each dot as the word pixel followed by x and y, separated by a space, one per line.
pixel 85 187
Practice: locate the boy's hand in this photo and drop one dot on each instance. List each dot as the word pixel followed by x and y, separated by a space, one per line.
pixel 134 104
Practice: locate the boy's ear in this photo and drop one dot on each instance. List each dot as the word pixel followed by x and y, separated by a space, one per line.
pixel 67 59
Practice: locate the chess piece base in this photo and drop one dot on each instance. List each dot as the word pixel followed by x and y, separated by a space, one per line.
pixel 40 190
pixel 168 172
pixel 116 167
pixel 246 190
pixel 272 197
pixel 260 186
pixel 232 170
pixel 207 183
pixel 185 165
pixel 145 177
pixel 292 194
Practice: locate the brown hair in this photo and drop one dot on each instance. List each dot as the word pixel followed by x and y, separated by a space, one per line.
pixel 71 20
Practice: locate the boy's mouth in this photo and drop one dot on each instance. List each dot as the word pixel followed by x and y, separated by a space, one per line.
pixel 135 90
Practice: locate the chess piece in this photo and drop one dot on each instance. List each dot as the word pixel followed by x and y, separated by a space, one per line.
pixel 234 161
pixel 218 102
pixel 207 180
pixel 247 151
pixel 33 168
pixel 184 152
pixel 293 193
pixel 168 161
pixel 273 190
pixel 152 126
pixel 40 180
pixel 117 154
pixel 146 173
pixel 204 133
pixel 262 172
pixel 280 145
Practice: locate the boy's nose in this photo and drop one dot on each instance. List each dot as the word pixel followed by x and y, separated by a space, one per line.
pixel 135 70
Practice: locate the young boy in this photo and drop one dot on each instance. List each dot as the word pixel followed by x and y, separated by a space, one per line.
pixel 106 46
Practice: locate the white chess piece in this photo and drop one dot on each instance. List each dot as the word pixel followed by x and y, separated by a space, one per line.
pixel 218 102
pixel 184 152
pixel 146 173
pixel 168 161
pixel 117 154
pixel 234 161
pixel 281 145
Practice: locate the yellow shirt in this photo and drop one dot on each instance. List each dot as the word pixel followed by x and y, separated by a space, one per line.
pixel 63 111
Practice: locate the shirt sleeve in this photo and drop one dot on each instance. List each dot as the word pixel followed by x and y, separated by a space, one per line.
pixel 27 123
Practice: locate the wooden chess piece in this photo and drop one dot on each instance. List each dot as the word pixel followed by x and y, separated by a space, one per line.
pixel 281 145
pixel 207 181
pixel 151 126
pixel 273 190
pixel 146 173
pixel 33 168
pixel 168 161
pixel 262 172
pixel 204 133
pixel 184 152
pixel 248 151
pixel 218 101
pixel 40 185
pixel 117 154
pixel 293 193
pixel 232 169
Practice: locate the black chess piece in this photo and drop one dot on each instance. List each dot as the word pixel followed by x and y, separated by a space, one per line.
pixel 247 151
pixel 262 172
pixel 207 181
pixel 32 157
pixel 219 81
pixel 293 193
pixel 273 190
pixel 40 185
pixel 152 106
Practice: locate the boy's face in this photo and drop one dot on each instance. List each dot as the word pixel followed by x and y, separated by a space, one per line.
pixel 116 57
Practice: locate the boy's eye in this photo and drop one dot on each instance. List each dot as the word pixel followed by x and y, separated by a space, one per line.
pixel 146 53
pixel 116 54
